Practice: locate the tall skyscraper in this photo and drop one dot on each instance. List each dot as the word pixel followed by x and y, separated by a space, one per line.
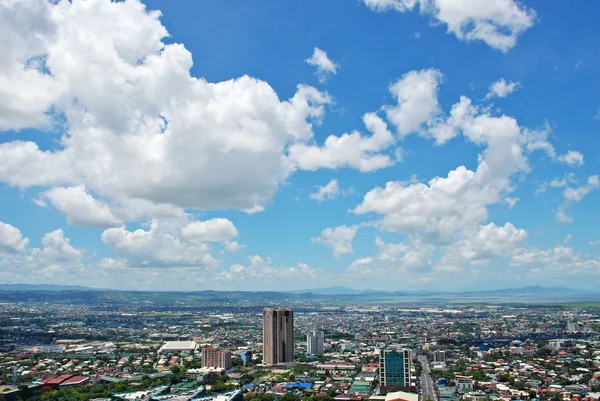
pixel 278 336
pixel 315 341
pixel 394 370
pixel 216 359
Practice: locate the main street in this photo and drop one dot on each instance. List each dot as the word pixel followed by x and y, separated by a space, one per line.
pixel 428 388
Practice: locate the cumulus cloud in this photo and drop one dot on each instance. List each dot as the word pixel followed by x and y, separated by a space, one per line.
pixel 214 230
pixel 143 129
pixel 232 246
pixel 416 92
pixel 485 243
pixel 326 192
pixel 450 213
pixel 502 88
pixel 498 23
pixel 56 261
pixel 80 207
pixel 460 200
pixel 259 269
pixel 159 245
pixel 11 238
pixel 325 66
pixel 349 150
pixel 339 239
pixel 561 259
pixel 410 260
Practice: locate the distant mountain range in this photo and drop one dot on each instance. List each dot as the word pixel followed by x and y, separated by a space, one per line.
pixel 335 290
pixel 218 299
pixel 531 290
pixel 46 287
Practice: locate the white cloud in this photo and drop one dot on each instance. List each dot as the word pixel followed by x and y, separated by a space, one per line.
pixel 385 5
pixel 349 150
pixel 213 230
pixel 416 92
pixel 409 255
pixel 577 194
pixel 573 192
pixel 538 140
pixel 260 269
pixel 594 243
pixel 409 260
pixel 56 261
pixel 339 239
pixel 511 201
pixel 160 245
pixel 562 216
pixel 25 90
pixel 327 192
pixel 80 207
pixel 561 259
pixel 360 263
pixel 56 249
pixel 572 158
pixel 485 243
pixel 144 129
pixel 232 246
pixel 502 88
pixel 11 238
pixel 498 23
pixel 325 66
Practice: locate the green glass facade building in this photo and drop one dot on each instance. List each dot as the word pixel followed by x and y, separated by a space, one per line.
pixel 394 370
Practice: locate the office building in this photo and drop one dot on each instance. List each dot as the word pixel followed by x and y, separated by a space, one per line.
pixel 211 358
pixel 394 370
pixel 438 356
pixel 278 336
pixel 464 384
pixel 246 357
pixel 315 342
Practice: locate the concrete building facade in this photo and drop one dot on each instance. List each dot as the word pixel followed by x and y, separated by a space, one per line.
pixel 211 358
pixel 278 336
pixel 315 342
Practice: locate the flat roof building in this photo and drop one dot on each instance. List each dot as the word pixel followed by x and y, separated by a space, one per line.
pixel 178 346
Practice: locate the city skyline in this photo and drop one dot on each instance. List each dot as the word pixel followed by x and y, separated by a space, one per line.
pixel 373 144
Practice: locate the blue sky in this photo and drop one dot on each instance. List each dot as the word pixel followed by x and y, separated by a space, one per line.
pixel 377 144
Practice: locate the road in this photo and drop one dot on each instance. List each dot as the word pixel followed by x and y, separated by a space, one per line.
pixel 428 387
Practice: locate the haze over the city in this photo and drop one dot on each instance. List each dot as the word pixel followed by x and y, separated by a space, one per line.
pixel 373 144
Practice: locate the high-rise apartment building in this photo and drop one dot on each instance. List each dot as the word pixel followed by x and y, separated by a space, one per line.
pixel 278 336
pixel 438 356
pixel 211 358
pixel 394 370
pixel 315 342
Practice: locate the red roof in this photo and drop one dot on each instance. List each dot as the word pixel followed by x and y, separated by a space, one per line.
pixel 64 380
pixel 55 379
pixel 74 380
